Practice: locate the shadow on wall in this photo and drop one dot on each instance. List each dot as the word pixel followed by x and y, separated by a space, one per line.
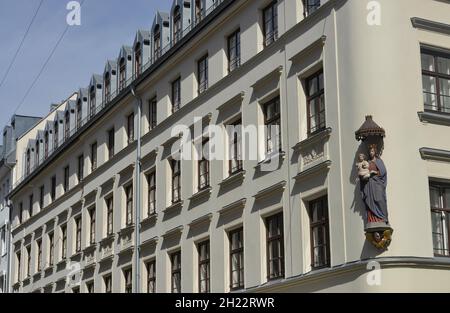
pixel 358 206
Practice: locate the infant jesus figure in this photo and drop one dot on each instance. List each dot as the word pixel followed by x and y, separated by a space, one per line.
pixel 363 167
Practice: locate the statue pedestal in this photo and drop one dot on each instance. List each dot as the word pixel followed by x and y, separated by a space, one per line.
pixel 379 234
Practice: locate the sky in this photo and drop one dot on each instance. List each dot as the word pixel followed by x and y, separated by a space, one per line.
pixel 106 25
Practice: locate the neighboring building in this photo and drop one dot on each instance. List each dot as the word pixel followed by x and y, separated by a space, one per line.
pixel 82 204
pixel 19 124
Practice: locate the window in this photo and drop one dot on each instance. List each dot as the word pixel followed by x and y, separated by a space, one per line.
pixel 28 165
pixel 90 287
pixel 122 73
pixel 176 180
pixel 320 236
pixel 108 283
pixel 272 119
pixel 3 241
pixel 66 178
pixel 275 247
pixel 130 128
pixel 80 168
pixel 315 103
pixel 203 167
pixel 151 181
pixel 128 274
pixel 198 11
pixel 440 218
pixel 234 51
pixel 107 87
pixel 157 42
pixel 176 95
pixel 18 258
pixel 270 26
pixel 202 74
pixel 175 259
pixel 204 267
pixel 436 80
pixel 51 256
pixel 64 242
pixel 46 143
pixel 129 205
pixel 37 155
pixel 53 188
pixel 92 102
pixel 109 215
pixel 28 273
pixel 237 259
pixel 111 143
pixel 41 197
pixel 79 114
pixel 93 157
pixel 177 27
pixel 39 255
pixel 67 125
pixel 235 147
pixel 152 121
pixel 310 6
pixel 151 277
pixel 21 217
pixel 92 226
pixel 56 136
pixel 30 205
pixel 78 234
pixel 137 59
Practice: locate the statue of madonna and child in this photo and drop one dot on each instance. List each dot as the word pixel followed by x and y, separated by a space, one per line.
pixel 372 174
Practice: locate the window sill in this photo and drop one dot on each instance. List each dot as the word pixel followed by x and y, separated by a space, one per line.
pixel 37 276
pixel 238 176
pixel 26 281
pixel 90 248
pixel 76 255
pixel 152 218
pixel 206 192
pixel 62 262
pixel 126 230
pixel 278 156
pixel 108 239
pixel 173 207
pixel 435 117
pixel 49 270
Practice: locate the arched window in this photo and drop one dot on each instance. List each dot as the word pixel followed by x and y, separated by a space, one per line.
pixel 137 59
pixel 177 31
pixel 122 73
pixel 37 153
pixel 107 87
pixel 157 42
pixel 56 135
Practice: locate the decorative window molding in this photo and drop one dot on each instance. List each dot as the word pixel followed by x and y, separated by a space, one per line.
pixel 277 188
pixel 421 23
pixel 201 220
pixel 435 118
pixel 435 154
pixel 237 205
pixel 324 166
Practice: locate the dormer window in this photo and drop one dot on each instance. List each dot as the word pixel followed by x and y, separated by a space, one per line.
pixel 37 153
pixel 157 42
pixel 107 87
pixel 79 114
pixel 67 125
pixel 122 73
pixel 138 59
pixel 28 168
pixel 46 145
pixel 198 11
pixel 177 28
pixel 92 104
pixel 56 135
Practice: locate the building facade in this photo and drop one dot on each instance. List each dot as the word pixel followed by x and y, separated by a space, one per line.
pixel 19 124
pixel 102 201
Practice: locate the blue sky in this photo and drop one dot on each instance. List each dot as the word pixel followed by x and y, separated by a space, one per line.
pixel 105 26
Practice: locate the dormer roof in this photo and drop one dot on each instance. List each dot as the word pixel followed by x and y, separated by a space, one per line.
pixel 96 79
pixel 83 94
pixel 125 52
pixel 110 66
pixel 142 36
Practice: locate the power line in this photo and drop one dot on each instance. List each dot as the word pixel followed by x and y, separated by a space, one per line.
pixel 44 66
pixel 21 44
